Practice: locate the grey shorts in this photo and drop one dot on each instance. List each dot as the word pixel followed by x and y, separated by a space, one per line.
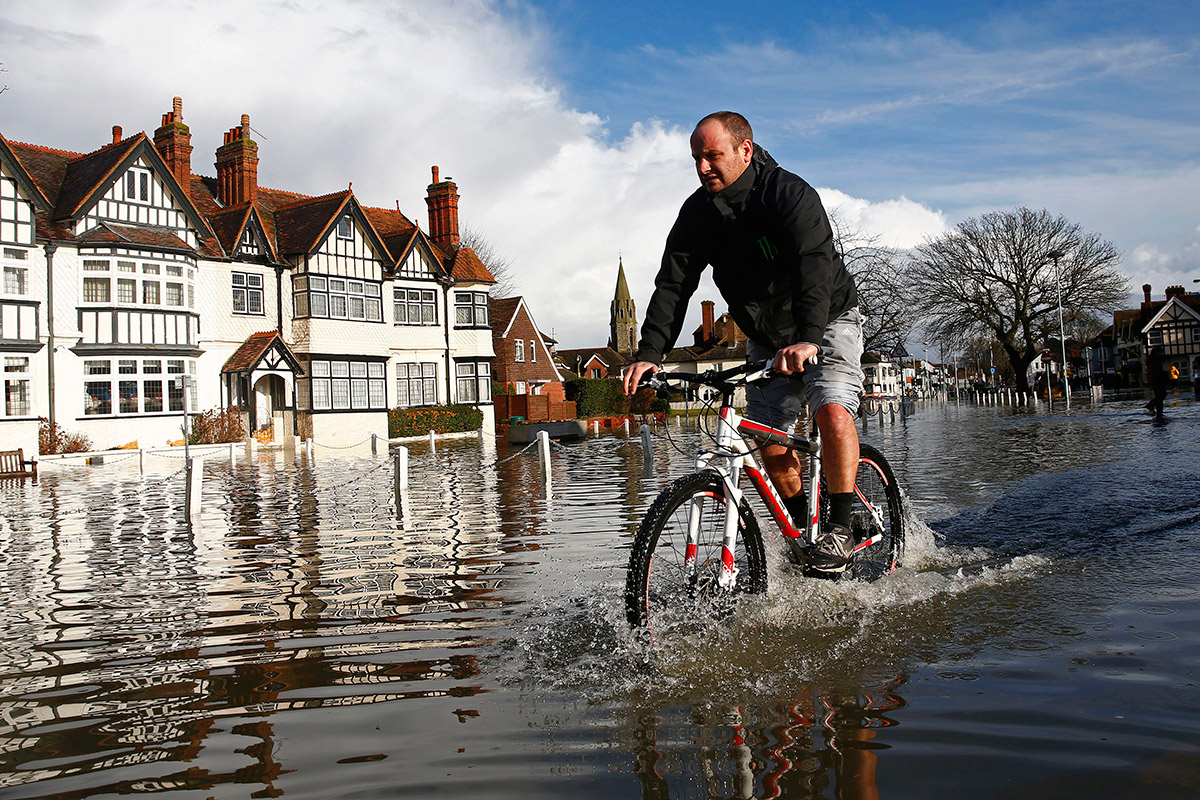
pixel 837 377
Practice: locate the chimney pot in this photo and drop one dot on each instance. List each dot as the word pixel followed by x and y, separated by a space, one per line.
pixel 435 175
pixel 116 134
pixel 173 141
pixel 1146 291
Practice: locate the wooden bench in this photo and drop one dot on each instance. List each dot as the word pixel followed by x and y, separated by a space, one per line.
pixel 14 465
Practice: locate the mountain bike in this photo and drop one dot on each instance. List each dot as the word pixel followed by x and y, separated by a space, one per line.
pixel 700 545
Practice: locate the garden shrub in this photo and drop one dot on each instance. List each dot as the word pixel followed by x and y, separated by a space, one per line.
pixel 217 426
pixel 440 419
pixel 52 439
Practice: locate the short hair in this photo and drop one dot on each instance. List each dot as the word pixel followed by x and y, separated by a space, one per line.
pixel 734 123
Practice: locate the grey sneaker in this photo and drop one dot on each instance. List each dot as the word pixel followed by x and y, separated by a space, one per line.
pixel 832 550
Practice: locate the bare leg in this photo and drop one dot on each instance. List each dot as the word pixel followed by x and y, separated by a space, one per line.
pixel 839 447
pixel 784 469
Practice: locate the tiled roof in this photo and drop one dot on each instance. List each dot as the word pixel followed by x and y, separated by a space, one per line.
pixel 501 311
pixel 468 267
pixel 582 355
pixel 293 223
pixel 85 175
pixel 250 352
pixel 126 234
pixel 299 226
pixel 228 224
pixel 45 166
pixel 394 229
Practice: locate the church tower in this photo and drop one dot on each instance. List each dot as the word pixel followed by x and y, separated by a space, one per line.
pixel 622 317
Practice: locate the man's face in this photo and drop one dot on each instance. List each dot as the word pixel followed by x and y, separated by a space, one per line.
pixel 719 160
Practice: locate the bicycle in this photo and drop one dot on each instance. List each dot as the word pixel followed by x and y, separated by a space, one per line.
pixel 700 545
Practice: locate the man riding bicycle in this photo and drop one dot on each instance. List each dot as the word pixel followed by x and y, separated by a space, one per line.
pixel 765 233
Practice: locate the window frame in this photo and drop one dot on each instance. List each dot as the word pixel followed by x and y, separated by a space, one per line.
pixel 243 285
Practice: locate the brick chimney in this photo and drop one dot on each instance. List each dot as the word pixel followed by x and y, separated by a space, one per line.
pixel 237 166
pixel 442 199
pixel 1146 292
pixel 706 320
pixel 173 141
pixel 1174 291
pixel 116 134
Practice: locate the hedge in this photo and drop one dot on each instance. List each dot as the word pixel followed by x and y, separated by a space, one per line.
pixel 440 419
pixel 597 397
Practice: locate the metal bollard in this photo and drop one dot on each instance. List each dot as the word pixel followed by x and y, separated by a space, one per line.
pixel 431 441
pixel 543 439
pixel 596 427
pixel 141 462
pixel 195 477
pixel 627 426
pixel 400 472
pixel 647 450
pixel 374 444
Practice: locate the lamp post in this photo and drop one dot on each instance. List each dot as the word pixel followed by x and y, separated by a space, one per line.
pixel 1055 255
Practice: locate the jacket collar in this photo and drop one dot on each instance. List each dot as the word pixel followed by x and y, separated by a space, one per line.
pixel 733 199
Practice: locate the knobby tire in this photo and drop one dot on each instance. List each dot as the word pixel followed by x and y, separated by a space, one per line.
pixel 659 586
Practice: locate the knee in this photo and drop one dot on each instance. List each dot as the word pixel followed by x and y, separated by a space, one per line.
pixel 833 419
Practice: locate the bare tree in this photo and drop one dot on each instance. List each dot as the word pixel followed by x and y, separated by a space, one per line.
pixel 883 293
pixel 500 266
pixel 994 276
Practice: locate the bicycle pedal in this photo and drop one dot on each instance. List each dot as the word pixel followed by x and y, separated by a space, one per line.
pixel 797 552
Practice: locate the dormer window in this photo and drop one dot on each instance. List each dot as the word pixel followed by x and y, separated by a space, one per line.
pixel 345 228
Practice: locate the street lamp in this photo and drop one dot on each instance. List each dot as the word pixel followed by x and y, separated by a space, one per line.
pixel 1055 255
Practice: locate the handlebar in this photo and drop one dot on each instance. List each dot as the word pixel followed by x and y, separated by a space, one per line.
pixel 717 379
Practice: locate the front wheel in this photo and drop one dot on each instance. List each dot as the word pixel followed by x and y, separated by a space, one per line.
pixel 877 514
pixel 676 578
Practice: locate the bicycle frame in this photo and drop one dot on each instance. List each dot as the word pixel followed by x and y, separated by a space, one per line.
pixel 732 457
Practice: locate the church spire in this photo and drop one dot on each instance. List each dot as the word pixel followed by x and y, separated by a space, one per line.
pixel 622 286
pixel 622 317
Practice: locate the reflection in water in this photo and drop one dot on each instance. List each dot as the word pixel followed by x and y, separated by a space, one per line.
pixel 797 749
pixel 131 635
pixel 308 639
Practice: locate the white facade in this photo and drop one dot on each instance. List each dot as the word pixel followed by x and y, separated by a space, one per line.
pixel 104 306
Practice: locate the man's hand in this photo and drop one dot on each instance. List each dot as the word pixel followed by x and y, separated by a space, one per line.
pixel 633 375
pixel 793 357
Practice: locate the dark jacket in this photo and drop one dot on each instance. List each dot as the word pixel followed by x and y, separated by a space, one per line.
pixel 771 249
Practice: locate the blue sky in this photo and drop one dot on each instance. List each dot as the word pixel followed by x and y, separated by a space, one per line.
pixel 565 122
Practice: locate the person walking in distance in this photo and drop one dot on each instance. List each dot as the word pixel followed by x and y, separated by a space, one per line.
pixel 1156 379
pixel 766 235
pixel 1196 376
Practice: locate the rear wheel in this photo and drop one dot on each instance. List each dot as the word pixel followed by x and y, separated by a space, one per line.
pixel 668 581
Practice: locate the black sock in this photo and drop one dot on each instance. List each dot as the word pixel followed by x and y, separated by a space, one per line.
pixel 798 507
pixel 839 507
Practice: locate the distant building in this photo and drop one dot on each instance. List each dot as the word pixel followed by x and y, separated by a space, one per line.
pixel 1172 324
pixel 524 363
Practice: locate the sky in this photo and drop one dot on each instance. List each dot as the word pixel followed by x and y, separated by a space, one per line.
pixel 565 123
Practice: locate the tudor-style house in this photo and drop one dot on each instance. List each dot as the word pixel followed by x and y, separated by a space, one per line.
pixel 125 272
pixel 1172 324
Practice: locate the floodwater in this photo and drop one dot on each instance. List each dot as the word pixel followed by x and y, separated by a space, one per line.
pixel 304 640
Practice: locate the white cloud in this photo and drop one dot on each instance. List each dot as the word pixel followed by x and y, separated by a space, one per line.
pixel 374 93
pixel 900 223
